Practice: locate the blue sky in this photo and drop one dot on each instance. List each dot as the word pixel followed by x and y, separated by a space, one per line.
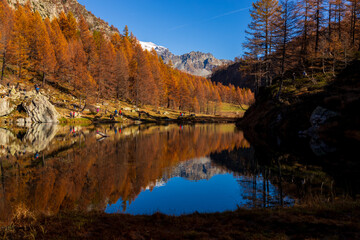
pixel 215 26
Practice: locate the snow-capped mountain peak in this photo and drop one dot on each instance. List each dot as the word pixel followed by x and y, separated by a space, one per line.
pixel 150 46
pixel 197 63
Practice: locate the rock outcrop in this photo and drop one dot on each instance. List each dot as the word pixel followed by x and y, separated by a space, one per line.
pixel 52 9
pixel 33 107
pixel 319 117
pixel 40 110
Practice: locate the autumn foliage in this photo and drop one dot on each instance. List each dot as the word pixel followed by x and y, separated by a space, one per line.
pixel 96 173
pixel 288 38
pixel 94 65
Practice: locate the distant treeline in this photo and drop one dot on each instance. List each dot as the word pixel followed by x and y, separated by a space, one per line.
pixel 95 65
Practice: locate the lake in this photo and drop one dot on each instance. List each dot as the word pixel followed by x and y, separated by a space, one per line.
pixel 144 169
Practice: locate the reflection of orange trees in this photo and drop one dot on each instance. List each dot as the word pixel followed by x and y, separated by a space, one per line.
pixel 93 174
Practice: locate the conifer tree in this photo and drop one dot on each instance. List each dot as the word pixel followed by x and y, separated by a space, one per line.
pixel 61 50
pixel 88 43
pixel 144 87
pixel 19 45
pixel 126 32
pixel 44 56
pixel 121 75
pixel 261 30
pixel 6 25
pixel 105 65
pixel 354 9
pixel 78 65
pixel 318 18
pixel 286 31
pixel 307 26
pixel 68 25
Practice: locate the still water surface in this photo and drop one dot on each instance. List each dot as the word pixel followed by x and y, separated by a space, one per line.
pixel 146 169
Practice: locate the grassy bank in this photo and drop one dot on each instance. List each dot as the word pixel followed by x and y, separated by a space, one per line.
pixel 102 111
pixel 329 221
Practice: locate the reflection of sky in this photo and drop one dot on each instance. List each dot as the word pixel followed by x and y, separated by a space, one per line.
pixel 180 196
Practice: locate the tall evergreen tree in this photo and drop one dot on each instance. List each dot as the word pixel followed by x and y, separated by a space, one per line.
pixel 261 32
pixel 6 25
pixel 68 25
pixel 19 44
pixel 286 32
pixel 44 56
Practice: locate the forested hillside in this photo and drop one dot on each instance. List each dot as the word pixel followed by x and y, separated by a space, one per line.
pixel 304 56
pixel 296 39
pixel 94 65
pixel 301 38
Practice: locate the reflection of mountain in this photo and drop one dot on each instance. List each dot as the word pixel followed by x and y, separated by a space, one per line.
pixel 86 174
pixel 196 169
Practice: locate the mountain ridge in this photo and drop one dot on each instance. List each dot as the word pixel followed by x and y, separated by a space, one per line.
pixel 194 62
pixel 53 8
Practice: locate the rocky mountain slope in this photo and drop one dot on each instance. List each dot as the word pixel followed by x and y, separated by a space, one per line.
pixel 52 9
pixel 196 63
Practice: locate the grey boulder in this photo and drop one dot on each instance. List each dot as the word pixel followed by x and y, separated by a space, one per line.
pixel 40 110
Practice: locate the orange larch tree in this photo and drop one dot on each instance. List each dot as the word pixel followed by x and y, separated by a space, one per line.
pixel 68 25
pixel 6 24
pixel 144 87
pixel 19 46
pixel 61 50
pixel 44 55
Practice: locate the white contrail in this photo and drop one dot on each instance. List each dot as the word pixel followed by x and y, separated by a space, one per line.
pixel 209 19
pixel 227 14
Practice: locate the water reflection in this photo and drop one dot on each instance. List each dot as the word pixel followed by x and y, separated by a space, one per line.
pixel 32 140
pixel 199 185
pixel 143 169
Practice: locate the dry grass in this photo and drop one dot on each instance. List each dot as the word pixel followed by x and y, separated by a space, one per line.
pixel 23 217
pixel 331 221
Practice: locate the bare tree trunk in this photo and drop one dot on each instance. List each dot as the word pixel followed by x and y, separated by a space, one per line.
pixel 339 21
pixel 3 66
pixel 353 22
pixel 329 27
pixel 280 183
pixel 317 17
pixel 43 79
pixel 283 57
pixel 305 37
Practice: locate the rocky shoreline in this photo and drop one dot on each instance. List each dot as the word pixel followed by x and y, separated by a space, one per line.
pixel 23 108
